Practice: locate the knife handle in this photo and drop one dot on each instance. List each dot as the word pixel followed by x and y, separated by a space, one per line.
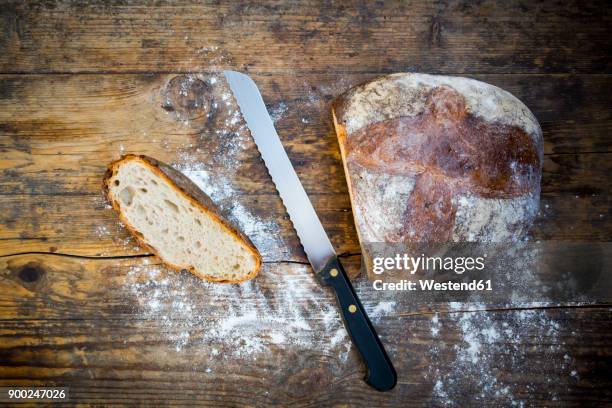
pixel 380 373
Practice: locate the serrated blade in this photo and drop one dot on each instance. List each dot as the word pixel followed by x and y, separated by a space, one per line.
pixel 316 244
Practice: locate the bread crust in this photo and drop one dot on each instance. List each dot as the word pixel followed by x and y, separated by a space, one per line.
pixel 423 154
pixel 183 185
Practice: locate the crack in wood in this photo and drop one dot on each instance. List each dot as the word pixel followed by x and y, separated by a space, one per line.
pixel 76 256
pixel 604 305
pixel 148 255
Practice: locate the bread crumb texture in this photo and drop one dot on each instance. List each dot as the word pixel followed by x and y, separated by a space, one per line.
pixel 182 231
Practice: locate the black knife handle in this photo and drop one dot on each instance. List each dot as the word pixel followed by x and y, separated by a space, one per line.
pixel 380 372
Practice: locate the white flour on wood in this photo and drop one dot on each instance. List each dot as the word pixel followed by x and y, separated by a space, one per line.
pixel 283 308
pixel 490 344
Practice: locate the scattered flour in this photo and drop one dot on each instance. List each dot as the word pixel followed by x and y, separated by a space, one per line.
pixel 381 309
pixel 281 307
pixel 489 346
pixel 115 231
pixel 101 231
pixel 214 173
pixel 435 325
pixel 278 111
pixel 277 309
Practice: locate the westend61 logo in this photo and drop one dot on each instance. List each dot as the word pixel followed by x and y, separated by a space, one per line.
pixel 413 264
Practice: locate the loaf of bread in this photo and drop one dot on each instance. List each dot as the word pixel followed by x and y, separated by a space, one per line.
pixel 439 159
pixel 169 214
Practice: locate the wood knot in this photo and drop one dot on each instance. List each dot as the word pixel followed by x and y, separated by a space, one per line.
pixel 435 32
pixel 188 97
pixel 31 272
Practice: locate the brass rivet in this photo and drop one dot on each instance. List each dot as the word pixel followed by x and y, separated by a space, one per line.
pixel 352 308
pixel 333 272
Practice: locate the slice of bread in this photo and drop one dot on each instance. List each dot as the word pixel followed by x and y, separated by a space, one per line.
pixel 169 214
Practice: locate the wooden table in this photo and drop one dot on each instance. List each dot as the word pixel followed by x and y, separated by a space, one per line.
pixel 81 305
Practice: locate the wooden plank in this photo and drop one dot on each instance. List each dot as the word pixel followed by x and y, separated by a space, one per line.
pixel 125 330
pixel 575 198
pixel 118 331
pixel 57 156
pixel 52 158
pixel 110 114
pixel 273 36
pixel 577 210
pixel 56 287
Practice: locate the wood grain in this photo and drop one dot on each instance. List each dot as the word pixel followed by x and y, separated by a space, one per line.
pixel 274 36
pixel 44 196
pixel 74 321
pixel 82 83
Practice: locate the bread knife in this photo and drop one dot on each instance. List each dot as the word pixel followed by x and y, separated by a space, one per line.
pixel 380 373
